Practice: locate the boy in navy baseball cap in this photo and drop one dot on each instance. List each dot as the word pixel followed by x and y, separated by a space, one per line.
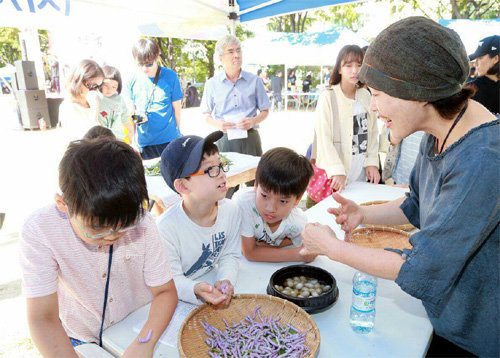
pixel 202 231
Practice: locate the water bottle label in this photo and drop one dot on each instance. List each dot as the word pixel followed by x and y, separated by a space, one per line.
pixel 363 303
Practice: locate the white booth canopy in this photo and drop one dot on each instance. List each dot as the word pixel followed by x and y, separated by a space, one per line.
pixel 195 19
pixel 306 49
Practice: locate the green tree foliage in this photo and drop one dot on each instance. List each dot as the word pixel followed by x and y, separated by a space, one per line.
pixel 455 9
pixel 10 50
pixel 340 15
pixel 298 22
pixel 192 57
pixel 343 15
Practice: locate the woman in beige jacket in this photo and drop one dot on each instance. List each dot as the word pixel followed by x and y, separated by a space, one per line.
pixel 346 133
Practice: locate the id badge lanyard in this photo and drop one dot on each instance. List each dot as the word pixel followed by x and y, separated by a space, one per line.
pixel 106 293
pixel 150 99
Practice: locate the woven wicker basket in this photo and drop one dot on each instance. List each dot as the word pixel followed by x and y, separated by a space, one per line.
pixel 191 338
pixel 404 227
pixel 381 238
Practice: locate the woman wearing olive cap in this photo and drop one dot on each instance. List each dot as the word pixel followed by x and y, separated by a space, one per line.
pixel 416 70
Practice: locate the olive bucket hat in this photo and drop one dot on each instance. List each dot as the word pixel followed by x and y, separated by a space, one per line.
pixel 416 59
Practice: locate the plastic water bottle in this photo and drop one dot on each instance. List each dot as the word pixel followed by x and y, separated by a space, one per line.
pixel 364 292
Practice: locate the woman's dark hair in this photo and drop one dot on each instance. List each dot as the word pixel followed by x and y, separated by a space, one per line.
pixel 259 71
pixel 284 172
pixel 102 181
pixel 112 73
pixel 347 54
pixel 449 107
pixel 81 74
pixel 99 132
pixel 494 70
pixel 145 51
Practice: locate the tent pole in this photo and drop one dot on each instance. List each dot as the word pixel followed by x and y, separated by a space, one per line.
pixel 285 78
pixel 233 16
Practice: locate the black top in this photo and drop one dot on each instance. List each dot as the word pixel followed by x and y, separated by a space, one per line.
pixel 306 85
pixel 487 93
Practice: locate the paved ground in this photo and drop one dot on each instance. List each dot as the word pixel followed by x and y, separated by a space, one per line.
pixel 28 180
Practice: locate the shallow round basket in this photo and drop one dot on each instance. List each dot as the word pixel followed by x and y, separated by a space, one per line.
pixel 404 227
pixel 191 338
pixel 309 304
pixel 381 238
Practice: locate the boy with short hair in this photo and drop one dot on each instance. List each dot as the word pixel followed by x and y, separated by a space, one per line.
pixel 270 217
pixel 95 256
pixel 202 230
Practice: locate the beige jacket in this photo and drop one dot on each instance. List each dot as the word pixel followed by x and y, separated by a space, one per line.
pixel 333 128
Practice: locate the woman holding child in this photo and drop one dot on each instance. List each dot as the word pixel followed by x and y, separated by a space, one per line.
pixel 416 70
pixel 79 110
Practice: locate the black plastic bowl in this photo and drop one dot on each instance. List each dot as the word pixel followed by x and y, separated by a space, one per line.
pixel 309 304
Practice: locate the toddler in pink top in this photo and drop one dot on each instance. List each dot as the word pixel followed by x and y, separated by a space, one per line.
pixel 95 256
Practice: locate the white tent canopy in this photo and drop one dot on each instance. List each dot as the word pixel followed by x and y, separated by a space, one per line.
pixel 194 19
pixel 307 49
pixel 197 19
pixel 202 19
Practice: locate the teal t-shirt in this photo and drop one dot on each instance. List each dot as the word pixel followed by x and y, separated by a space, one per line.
pixel 161 126
pixel 113 113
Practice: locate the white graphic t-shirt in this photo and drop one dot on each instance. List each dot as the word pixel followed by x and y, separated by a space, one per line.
pixel 252 224
pixel 359 142
pixel 194 250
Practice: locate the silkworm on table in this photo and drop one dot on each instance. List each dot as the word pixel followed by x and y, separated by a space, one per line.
pixel 148 337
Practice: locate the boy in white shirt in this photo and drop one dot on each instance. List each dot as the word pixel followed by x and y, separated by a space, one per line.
pixel 270 217
pixel 201 231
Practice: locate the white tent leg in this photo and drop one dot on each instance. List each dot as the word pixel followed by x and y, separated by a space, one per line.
pixel 285 80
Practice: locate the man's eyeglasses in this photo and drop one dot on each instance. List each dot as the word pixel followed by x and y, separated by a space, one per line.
pixel 148 65
pixel 213 171
pixel 232 52
pixel 107 233
pixel 92 86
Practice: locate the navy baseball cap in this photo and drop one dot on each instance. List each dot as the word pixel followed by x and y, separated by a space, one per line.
pixel 183 156
pixel 487 46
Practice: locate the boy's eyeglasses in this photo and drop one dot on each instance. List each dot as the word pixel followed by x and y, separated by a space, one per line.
pixel 148 65
pixel 107 233
pixel 213 171
pixel 92 86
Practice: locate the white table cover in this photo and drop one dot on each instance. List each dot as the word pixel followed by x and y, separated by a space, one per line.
pixel 402 328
